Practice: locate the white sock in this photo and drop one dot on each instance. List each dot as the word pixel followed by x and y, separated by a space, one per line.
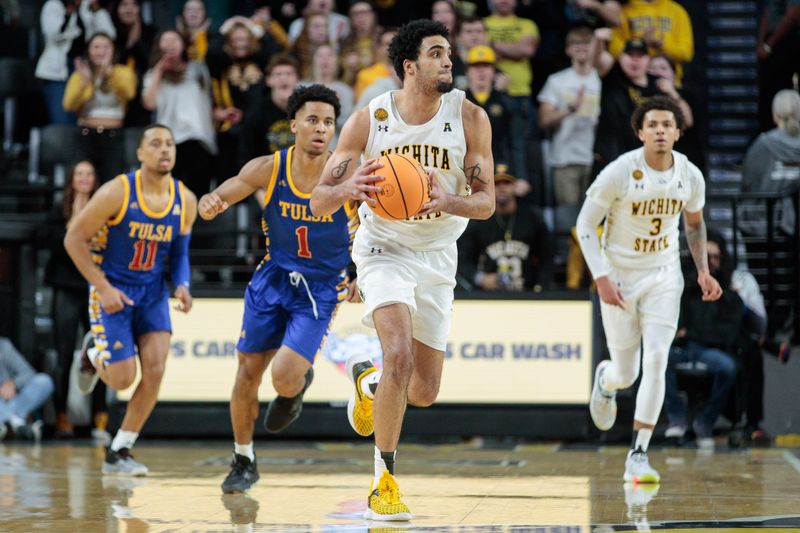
pixel 245 449
pixel 380 466
pixel 124 439
pixel 370 383
pixel 15 422
pixel 643 439
pixel 95 356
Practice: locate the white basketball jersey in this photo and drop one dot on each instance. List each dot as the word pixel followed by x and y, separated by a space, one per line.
pixel 438 145
pixel 644 208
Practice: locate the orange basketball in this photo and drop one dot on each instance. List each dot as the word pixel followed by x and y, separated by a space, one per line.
pixel 404 187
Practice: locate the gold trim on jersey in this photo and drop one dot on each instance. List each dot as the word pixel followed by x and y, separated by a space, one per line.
pixel 183 206
pixel 146 210
pixel 351 209
pixel 126 198
pixel 276 165
pixel 297 192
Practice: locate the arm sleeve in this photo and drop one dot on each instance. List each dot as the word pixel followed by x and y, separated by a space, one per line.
pixel 180 272
pixel 19 369
pixel 549 93
pixel 679 43
pixel 592 213
pixel 76 93
pixel 698 198
pixel 123 83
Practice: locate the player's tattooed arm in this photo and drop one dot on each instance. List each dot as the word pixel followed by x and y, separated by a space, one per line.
pixel 696 239
pixel 474 173
pixel 342 180
pixel 339 170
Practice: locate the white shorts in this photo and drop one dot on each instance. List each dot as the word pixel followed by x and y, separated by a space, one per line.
pixel 390 273
pixel 652 296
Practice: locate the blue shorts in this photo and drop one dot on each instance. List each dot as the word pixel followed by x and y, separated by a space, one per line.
pixel 277 312
pixel 117 332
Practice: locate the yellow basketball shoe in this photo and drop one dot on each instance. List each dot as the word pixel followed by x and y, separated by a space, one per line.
pixel 384 501
pixel 359 406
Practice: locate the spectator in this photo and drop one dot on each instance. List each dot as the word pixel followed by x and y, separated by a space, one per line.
pixel 338 24
pixel 314 34
pixel 480 91
pixel 272 28
pixel 471 33
pixel 511 250
pixel 445 12
pixel 325 70
pixel 66 25
pixel 134 39
pixel 70 308
pixel 593 13
pixel 569 103
pixel 663 25
pixel 772 165
pixel 626 83
pixel 381 85
pixel 178 90
pixel 515 40
pixel 22 391
pixel 382 68
pixel 778 60
pixel 99 92
pixel 358 50
pixel 690 143
pixel 266 128
pixel 706 338
pixel 194 24
pixel 236 75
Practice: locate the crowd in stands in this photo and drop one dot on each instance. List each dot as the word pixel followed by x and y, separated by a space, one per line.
pixel 558 80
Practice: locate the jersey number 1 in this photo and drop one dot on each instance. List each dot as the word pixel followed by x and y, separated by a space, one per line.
pixel 302 242
pixel 144 255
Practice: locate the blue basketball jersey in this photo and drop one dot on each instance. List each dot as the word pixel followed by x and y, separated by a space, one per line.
pixel 133 247
pixel 316 247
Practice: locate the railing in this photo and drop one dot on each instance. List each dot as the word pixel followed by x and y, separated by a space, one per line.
pixel 779 244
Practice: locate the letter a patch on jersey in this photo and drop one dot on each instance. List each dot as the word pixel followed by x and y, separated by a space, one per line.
pixel 447 127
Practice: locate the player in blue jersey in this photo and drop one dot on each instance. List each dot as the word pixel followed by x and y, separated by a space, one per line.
pixel 122 242
pixel 294 293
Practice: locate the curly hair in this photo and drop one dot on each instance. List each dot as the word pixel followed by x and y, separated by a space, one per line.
pixel 659 103
pixel 408 39
pixel 312 93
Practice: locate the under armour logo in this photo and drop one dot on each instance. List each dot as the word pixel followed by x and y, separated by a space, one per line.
pixel 680 185
pixel 447 126
pixel 383 128
pixel 638 186
pixel 374 250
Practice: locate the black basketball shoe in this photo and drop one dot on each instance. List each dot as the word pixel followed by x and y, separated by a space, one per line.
pixel 242 475
pixel 282 411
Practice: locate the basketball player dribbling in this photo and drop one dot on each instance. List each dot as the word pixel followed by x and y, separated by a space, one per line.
pixel 641 195
pixel 406 269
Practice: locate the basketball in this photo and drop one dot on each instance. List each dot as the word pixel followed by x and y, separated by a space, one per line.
pixel 404 187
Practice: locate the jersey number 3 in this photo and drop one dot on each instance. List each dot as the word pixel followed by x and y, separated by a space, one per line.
pixel 302 242
pixel 656 226
pixel 144 255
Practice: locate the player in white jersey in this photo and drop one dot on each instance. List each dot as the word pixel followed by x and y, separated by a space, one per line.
pixel 406 269
pixel 641 195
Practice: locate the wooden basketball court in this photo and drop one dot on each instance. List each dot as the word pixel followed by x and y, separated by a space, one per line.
pixel 458 487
